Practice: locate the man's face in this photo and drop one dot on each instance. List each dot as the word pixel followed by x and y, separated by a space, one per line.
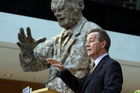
pixel 66 13
pixel 93 46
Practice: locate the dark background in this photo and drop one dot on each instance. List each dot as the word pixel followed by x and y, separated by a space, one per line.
pixel 109 16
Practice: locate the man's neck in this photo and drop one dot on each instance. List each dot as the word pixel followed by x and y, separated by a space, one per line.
pixel 98 55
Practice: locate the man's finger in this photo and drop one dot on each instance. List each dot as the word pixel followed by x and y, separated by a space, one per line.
pixel 59 67
pixel 40 40
pixel 52 61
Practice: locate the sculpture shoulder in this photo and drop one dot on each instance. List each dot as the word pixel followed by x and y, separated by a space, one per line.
pixel 92 24
pixel 88 26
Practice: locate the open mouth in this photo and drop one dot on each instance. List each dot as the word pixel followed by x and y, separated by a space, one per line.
pixel 88 49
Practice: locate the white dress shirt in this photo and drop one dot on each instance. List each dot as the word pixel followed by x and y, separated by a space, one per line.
pixel 99 59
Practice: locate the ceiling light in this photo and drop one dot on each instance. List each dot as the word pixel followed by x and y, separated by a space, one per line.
pixel 8 75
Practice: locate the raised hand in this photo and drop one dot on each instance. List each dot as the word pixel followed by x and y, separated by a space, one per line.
pixel 56 64
pixel 27 43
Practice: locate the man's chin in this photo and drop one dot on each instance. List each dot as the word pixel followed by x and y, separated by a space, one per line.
pixel 89 55
pixel 65 26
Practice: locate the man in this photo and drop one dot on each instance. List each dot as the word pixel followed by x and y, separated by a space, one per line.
pixel 107 74
pixel 68 46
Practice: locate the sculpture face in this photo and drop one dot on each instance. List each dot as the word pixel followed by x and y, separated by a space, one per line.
pixel 66 12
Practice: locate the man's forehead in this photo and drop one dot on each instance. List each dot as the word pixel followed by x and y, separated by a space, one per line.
pixel 92 35
pixel 61 1
pixel 58 3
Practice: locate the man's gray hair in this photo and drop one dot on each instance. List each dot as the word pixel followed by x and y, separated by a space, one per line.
pixel 80 3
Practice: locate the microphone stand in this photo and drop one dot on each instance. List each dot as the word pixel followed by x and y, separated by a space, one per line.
pixel 57 74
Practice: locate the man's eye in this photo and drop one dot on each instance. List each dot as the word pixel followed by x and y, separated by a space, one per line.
pixel 91 41
pixel 53 9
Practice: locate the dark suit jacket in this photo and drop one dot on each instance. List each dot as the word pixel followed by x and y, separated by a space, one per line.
pixel 106 78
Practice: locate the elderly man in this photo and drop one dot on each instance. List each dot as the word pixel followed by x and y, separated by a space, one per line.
pixel 68 46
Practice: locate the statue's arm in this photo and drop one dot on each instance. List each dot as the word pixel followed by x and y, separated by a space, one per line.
pixel 37 60
pixel 33 58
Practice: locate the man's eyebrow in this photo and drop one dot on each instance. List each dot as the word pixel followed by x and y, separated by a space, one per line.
pixel 91 38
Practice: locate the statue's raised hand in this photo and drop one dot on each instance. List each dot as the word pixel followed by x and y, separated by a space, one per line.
pixel 26 42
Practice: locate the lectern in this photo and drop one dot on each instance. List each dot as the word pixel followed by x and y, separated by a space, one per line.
pixel 45 90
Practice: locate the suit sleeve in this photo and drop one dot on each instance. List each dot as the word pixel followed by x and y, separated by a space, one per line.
pixel 73 82
pixel 113 78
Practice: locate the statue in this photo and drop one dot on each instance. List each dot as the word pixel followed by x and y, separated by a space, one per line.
pixel 68 46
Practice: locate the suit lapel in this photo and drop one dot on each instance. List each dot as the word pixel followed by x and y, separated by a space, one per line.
pixel 67 48
pixel 77 33
pixel 98 67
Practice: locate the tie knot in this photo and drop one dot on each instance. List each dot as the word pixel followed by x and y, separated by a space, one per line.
pixel 93 64
pixel 67 34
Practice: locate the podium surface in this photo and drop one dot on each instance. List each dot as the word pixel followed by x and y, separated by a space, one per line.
pixel 45 90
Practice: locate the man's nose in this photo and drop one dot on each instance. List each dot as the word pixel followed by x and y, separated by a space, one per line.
pixel 58 13
pixel 87 44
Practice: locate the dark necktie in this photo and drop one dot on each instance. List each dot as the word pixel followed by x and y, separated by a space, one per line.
pixel 67 38
pixel 92 66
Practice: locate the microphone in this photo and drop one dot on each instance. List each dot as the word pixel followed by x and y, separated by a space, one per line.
pixel 57 75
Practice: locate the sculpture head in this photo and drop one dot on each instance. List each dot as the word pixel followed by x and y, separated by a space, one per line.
pixel 67 12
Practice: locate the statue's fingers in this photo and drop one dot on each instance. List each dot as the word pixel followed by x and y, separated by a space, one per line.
pixel 19 45
pixel 29 35
pixel 40 40
pixel 20 38
pixel 22 33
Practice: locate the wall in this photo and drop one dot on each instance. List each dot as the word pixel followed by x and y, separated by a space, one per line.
pixel 13 86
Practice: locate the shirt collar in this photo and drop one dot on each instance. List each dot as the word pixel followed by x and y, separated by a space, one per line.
pixel 99 59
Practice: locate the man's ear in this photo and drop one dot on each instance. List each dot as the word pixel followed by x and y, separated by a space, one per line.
pixel 103 44
pixel 81 4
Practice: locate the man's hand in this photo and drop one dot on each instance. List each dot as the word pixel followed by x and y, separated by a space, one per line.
pixel 56 64
pixel 27 43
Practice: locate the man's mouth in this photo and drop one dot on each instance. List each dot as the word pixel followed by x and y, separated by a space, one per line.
pixel 60 19
pixel 88 49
